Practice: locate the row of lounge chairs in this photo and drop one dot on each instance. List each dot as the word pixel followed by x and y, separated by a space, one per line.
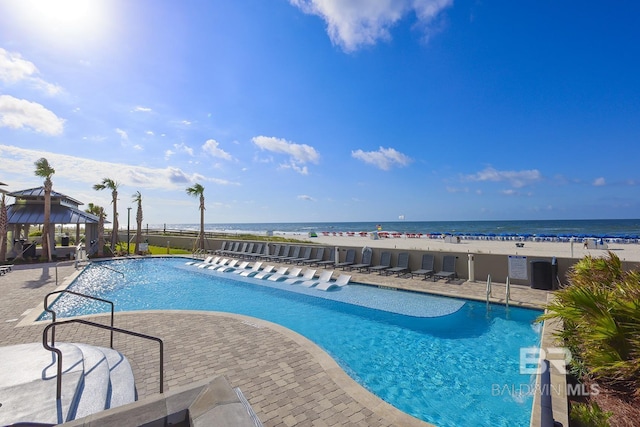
pixel 307 278
pixel 314 256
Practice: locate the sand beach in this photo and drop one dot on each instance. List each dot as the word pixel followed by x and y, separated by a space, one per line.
pixel 625 251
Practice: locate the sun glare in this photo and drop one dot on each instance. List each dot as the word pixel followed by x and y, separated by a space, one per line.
pixel 64 21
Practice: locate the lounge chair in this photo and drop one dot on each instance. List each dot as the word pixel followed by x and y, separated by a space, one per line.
pixel 255 268
pixel 341 281
pixel 228 267
pixel 286 250
pixel 318 258
pixel 325 276
pixel 197 263
pixel 448 268
pixel 349 259
pixel 294 255
pixel 330 261
pixel 257 251
pixel 276 252
pixel 307 275
pixel 209 262
pixel 231 248
pixel 223 247
pixel 247 251
pixel 295 272
pixel 364 264
pixel 385 263
pixel 426 268
pixel 281 270
pixel 241 267
pixel 402 266
pixel 265 272
pixel 306 254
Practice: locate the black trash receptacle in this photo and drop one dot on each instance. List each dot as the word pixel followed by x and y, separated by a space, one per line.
pixel 64 241
pixel 541 276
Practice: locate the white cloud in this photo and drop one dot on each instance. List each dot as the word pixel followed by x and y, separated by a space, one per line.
pixel 212 147
pixel 149 132
pixel 384 158
pixel 123 134
pixel 352 24
pixel 20 161
pixel 300 154
pixel 19 113
pixel 142 109
pixel 168 154
pixel 599 182
pixel 516 179
pixel 14 69
pixel 307 198
pixel 182 147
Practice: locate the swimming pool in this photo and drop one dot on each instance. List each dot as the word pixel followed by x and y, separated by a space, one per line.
pixel 441 369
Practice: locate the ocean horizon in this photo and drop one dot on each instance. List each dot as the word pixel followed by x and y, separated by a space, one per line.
pixel 602 228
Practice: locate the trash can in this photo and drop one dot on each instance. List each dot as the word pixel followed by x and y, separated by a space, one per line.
pixel 541 276
pixel 64 241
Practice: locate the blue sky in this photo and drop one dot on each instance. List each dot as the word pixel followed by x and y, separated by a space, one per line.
pixel 327 110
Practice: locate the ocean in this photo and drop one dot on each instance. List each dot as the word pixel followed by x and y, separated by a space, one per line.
pixel 599 228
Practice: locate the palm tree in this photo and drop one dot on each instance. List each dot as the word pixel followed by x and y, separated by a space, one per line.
pixel 44 170
pixel 197 190
pixel 3 226
pixel 137 198
pixel 113 186
pixel 99 212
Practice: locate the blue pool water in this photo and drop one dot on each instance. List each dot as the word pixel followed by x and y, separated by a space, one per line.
pixel 450 363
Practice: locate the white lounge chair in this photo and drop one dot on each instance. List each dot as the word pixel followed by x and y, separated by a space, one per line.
pixel 240 267
pixel 307 275
pixel 208 262
pixel 226 267
pixel 268 271
pixel 325 276
pixel 341 281
pixel 295 272
pixel 255 268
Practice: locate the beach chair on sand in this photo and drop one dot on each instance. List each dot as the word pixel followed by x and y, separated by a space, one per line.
pixel 385 263
pixel 448 268
pixel 365 262
pixel 402 266
pixel 341 281
pixel 426 268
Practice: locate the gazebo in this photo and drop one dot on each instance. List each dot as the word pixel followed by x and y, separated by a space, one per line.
pixel 28 210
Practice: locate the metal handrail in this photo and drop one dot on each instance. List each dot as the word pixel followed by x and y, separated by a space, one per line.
pixel 488 292
pixel 97 325
pixel 53 313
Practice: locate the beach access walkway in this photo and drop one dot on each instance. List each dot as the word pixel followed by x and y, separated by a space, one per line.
pixel 287 379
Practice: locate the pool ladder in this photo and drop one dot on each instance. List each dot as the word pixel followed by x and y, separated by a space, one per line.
pixel 506 296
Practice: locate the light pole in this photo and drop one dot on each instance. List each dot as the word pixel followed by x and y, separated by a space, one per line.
pixel 128 223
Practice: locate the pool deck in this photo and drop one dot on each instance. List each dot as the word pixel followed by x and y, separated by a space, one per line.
pixel 287 379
